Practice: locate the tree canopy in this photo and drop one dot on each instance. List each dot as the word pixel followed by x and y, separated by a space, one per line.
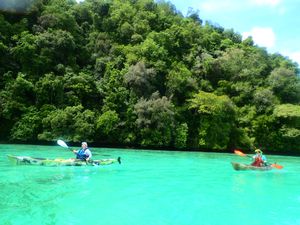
pixel 139 73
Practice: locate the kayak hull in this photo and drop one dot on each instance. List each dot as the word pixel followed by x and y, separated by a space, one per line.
pixel 241 166
pixel 27 160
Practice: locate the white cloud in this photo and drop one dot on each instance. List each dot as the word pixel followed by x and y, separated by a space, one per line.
pixel 294 56
pixel 262 36
pixel 266 2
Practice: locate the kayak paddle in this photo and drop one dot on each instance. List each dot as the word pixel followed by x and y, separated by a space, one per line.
pixel 275 165
pixel 63 144
pixel 241 153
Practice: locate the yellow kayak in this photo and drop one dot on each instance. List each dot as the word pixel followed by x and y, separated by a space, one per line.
pixel 27 160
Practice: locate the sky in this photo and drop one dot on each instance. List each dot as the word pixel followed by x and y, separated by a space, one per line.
pixel 273 24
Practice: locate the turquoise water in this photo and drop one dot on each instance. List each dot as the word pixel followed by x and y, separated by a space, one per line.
pixel 148 188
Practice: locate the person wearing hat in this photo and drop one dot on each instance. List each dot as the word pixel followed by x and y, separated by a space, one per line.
pixel 84 153
pixel 259 159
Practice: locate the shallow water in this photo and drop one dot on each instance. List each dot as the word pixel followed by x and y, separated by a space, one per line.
pixel 148 188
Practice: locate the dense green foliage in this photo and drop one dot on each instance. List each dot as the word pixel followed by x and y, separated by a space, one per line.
pixel 139 73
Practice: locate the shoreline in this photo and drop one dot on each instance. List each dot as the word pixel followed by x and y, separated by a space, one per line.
pixel 142 148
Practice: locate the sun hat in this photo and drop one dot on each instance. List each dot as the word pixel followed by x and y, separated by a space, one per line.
pixel 258 150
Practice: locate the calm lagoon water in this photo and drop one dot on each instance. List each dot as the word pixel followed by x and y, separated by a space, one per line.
pixel 148 188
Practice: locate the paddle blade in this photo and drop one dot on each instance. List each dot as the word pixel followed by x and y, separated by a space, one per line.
pixel 62 143
pixel 277 166
pixel 239 153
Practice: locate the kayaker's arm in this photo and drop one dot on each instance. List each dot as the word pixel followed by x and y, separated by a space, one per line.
pixel 89 155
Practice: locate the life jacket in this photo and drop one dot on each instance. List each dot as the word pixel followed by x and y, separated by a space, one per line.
pixel 258 161
pixel 81 154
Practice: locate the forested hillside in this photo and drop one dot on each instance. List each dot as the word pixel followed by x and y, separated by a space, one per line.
pixel 139 73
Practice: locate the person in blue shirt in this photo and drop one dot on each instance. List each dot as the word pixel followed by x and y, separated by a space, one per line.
pixel 84 153
pixel 259 159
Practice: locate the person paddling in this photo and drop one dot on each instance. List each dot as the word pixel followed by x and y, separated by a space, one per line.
pixel 83 154
pixel 259 159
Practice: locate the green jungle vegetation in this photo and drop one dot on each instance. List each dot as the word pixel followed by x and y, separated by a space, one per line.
pixel 139 73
